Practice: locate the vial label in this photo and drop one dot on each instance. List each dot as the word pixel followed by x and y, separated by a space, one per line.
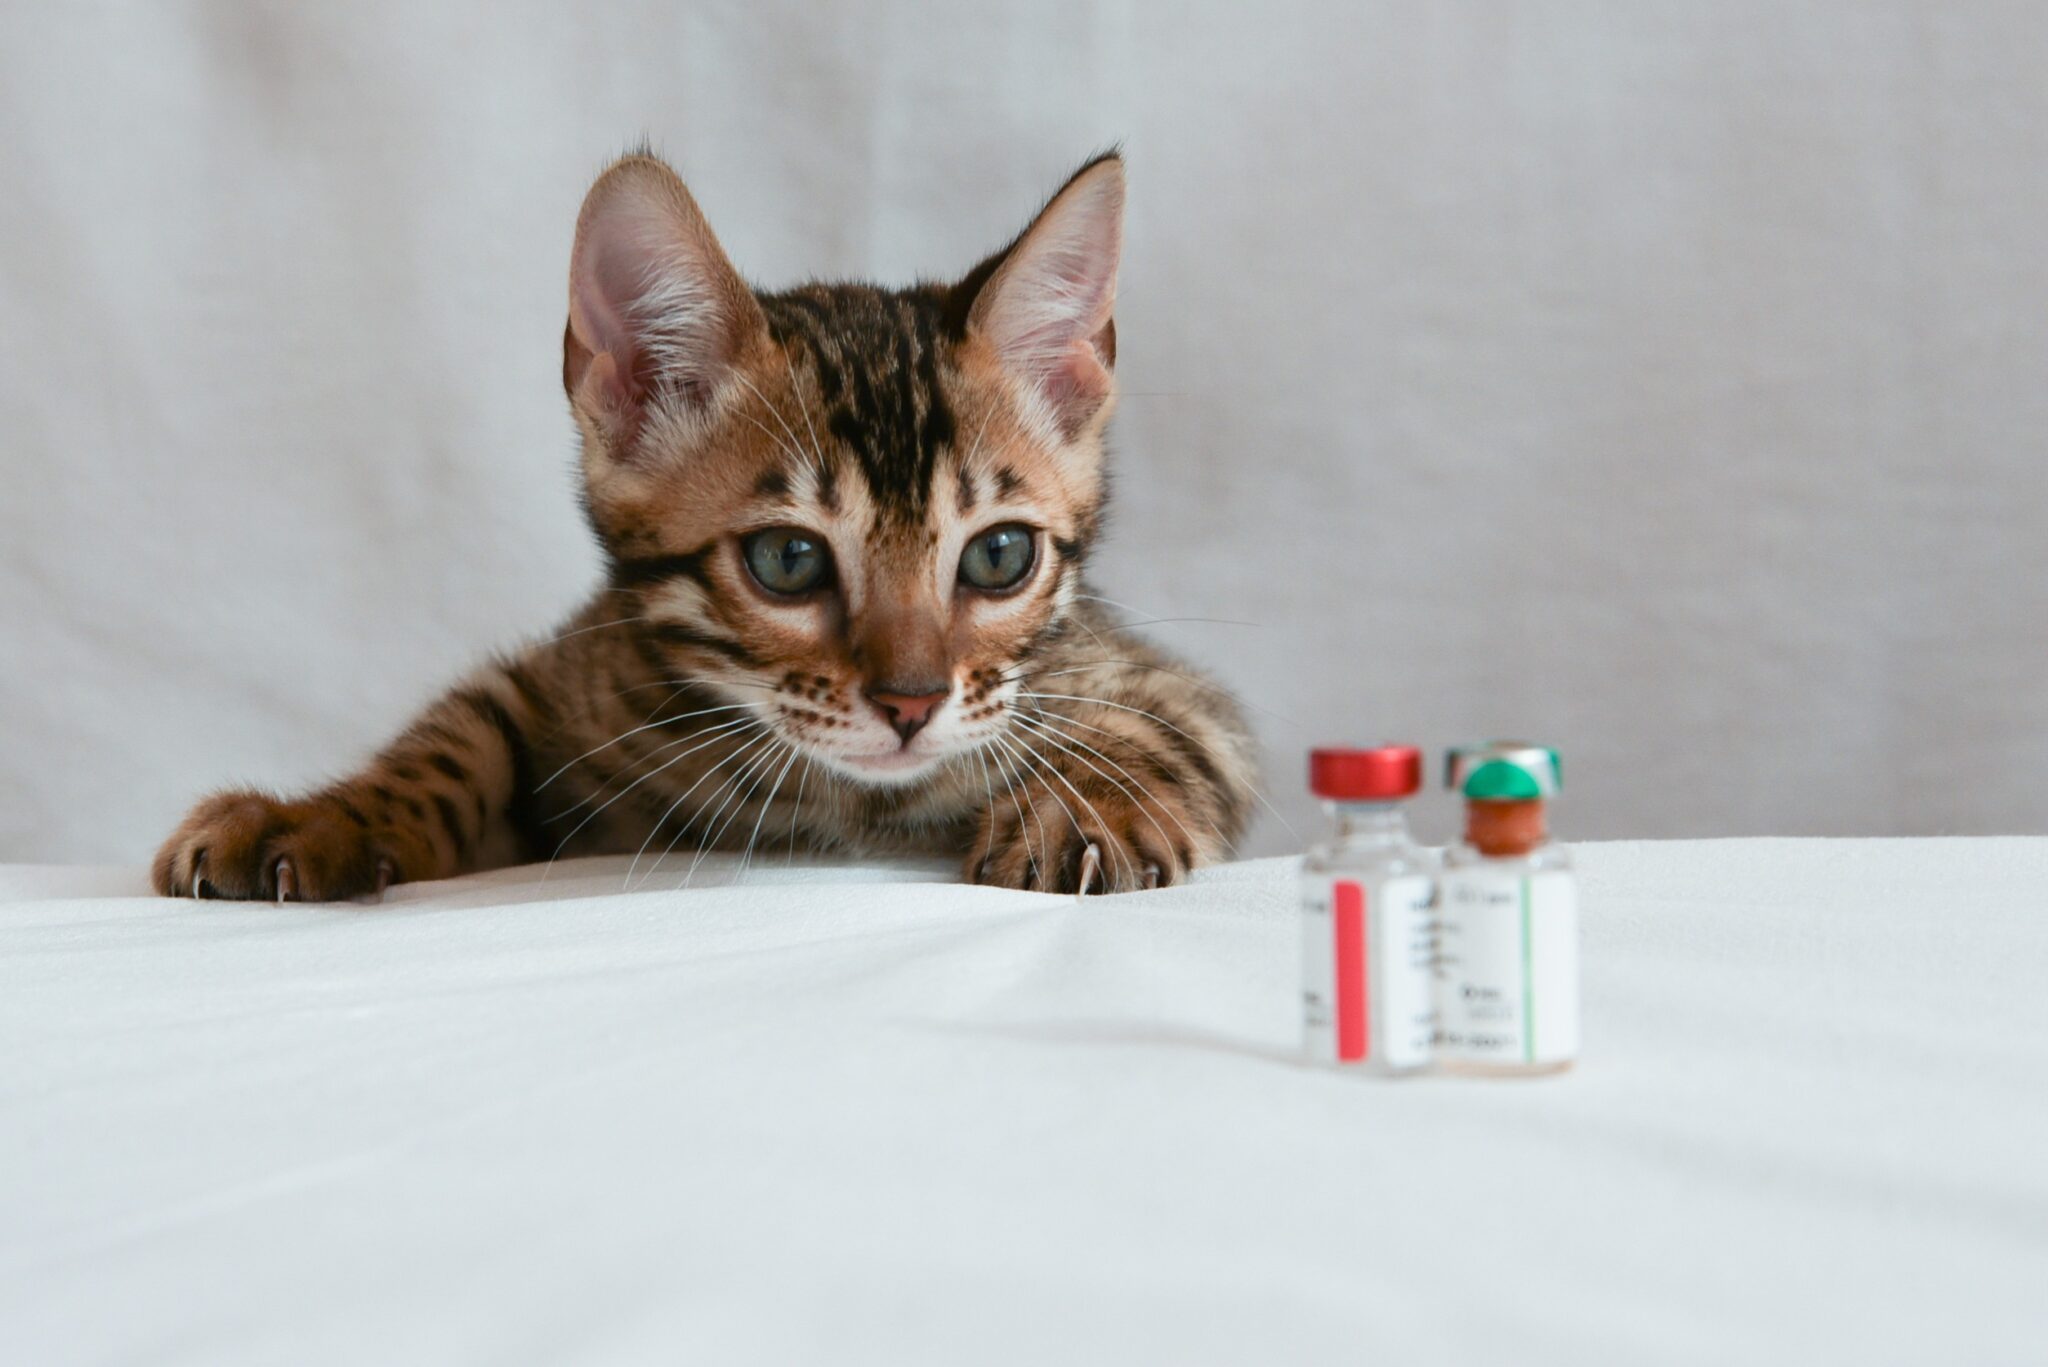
pixel 1367 951
pixel 1508 967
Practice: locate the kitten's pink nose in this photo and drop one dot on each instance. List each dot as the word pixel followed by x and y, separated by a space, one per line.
pixel 906 711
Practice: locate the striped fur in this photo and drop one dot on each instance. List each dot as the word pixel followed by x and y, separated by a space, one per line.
pixel 686 708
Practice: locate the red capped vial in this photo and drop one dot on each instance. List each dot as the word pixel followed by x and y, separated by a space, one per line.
pixel 1368 916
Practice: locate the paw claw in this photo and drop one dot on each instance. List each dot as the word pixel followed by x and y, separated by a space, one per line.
pixel 249 846
pixel 1091 868
pixel 1107 847
pixel 387 874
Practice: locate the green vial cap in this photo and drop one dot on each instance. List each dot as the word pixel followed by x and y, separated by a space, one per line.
pixel 1504 771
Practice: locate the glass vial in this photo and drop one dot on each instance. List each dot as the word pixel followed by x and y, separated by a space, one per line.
pixel 1367 928
pixel 1508 920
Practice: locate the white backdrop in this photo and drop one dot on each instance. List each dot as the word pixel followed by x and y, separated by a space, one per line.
pixel 1668 382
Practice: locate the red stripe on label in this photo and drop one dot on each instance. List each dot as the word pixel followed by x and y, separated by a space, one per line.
pixel 1352 1037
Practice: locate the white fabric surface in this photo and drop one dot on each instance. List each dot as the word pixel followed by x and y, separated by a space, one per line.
pixel 1598 371
pixel 863 1115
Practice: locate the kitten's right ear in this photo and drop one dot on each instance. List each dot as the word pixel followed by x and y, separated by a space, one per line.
pixel 655 308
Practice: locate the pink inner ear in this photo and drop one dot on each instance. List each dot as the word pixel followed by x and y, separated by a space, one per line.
pixel 597 322
pixel 609 388
pixel 1058 294
pixel 617 267
pixel 646 286
pixel 1047 311
pixel 1075 383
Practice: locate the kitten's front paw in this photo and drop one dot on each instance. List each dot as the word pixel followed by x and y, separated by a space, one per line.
pixel 246 846
pixel 1096 839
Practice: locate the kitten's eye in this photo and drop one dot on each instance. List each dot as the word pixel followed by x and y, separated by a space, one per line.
pixel 785 560
pixel 1000 557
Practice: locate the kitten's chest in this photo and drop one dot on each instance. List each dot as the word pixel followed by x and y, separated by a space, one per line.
pixel 935 816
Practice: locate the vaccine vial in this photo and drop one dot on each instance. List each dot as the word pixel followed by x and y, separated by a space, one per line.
pixel 1367 942
pixel 1508 920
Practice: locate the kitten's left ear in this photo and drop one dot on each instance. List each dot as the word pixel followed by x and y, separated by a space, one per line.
pixel 1046 304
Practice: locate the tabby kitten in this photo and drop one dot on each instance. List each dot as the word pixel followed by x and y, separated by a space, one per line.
pixel 845 529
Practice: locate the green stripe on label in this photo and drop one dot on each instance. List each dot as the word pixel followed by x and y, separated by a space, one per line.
pixel 1528 985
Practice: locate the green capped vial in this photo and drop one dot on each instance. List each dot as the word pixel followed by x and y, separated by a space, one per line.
pixel 1508 964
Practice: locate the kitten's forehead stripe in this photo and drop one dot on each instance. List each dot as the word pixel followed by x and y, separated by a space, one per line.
pixel 876 353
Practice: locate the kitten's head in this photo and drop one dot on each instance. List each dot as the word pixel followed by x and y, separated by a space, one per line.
pixel 861 510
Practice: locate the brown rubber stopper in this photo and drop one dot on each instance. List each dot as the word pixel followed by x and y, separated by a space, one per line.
pixel 1501 830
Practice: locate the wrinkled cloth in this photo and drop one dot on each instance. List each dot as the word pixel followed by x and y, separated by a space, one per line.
pixel 870 1115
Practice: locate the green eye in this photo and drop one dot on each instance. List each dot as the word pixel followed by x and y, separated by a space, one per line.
pixel 785 560
pixel 1000 557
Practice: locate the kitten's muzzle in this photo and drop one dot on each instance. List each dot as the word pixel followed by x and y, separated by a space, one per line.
pixel 907 707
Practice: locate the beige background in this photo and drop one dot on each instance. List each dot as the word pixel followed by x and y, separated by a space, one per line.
pixel 1665 381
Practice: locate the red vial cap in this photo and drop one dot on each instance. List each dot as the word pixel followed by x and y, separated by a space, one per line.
pixel 1380 773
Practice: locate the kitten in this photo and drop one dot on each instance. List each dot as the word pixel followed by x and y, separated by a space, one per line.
pixel 845 529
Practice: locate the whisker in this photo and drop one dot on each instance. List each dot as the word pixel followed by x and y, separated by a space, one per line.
pixel 797 810
pixel 1067 743
pixel 1130 860
pixel 1042 868
pixel 663 703
pixel 776 414
pixel 593 704
pixel 784 446
pixel 681 798
pixel 988 850
pixel 1162 621
pixel 1023 756
pixel 1042 716
pixel 665 721
pixel 1046 764
pixel 1217 689
pixel 1153 619
pixel 1098 598
pixel 1094 811
pixel 817 450
pixel 979 433
pixel 713 731
pixel 675 687
pixel 723 732
pixel 1093 634
pixel 747 856
pixel 1011 783
pixel 1121 707
pixel 756 769
pixel 721 681
pixel 600 626
pixel 1154 716
pixel 1139 798
pixel 751 749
